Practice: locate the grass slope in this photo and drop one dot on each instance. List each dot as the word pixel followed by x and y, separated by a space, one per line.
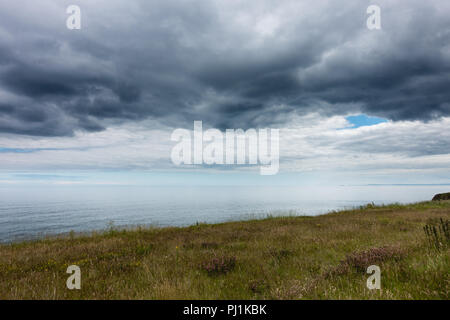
pixel 320 257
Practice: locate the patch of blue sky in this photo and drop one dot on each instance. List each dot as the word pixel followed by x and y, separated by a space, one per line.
pixel 362 120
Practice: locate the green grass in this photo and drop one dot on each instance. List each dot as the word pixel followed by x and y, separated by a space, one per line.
pixel 320 257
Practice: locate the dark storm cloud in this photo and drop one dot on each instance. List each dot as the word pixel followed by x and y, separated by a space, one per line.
pixel 230 64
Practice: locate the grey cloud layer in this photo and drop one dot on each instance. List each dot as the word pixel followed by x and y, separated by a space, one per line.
pixel 229 63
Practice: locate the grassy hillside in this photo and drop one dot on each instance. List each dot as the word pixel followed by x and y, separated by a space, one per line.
pixel 322 257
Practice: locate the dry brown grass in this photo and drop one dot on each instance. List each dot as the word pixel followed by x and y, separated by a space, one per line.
pixel 274 258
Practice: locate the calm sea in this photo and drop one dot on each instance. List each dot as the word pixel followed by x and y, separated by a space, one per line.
pixel 31 212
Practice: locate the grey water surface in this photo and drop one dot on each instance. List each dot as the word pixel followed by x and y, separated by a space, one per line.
pixel 33 212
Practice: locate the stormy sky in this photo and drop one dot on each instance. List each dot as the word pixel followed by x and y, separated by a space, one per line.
pixel 108 95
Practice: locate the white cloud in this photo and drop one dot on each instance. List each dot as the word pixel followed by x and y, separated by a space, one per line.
pixel 307 144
